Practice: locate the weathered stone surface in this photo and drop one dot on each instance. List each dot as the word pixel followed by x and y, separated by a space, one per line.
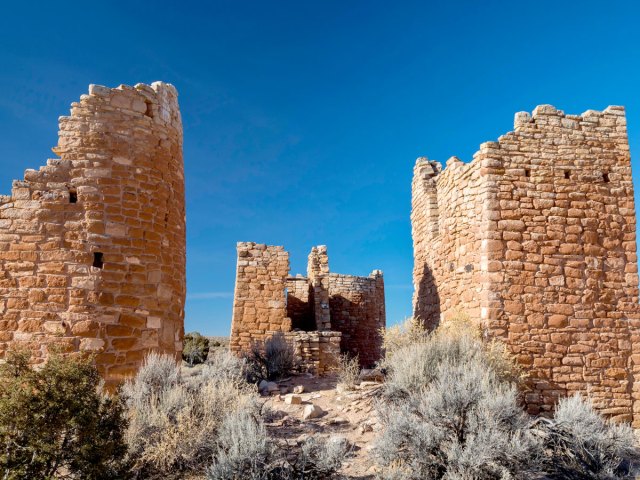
pixel 292 399
pixel 535 238
pixel 88 241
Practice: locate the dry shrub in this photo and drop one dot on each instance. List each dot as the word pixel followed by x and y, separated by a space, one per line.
pixel 448 414
pixel 496 351
pixel 451 411
pixel 397 337
pixel 451 337
pixel 348 371
pixel 245 452
pixel 270 359
pixel 418 364
pixel 581 444
pixel 174 423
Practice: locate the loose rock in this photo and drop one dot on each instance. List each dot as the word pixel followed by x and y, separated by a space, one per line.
pixel 311 411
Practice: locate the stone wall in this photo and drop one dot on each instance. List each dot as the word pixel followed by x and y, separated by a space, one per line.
pixel 356 306
pixel 259 302
pixel 447 211
pixel 318 271
pixel 92 245
pixel 315 312
pixel 543 247
pixel 316 352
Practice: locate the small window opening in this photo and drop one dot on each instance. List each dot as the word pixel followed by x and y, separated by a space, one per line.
pixel 149 112
pixel 527 172
pixel 605 177
pixel 98 259
pixel 73 195
pixel 567 174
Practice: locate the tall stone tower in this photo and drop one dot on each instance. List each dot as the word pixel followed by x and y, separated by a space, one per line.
pixel 92 246
pixel 536 240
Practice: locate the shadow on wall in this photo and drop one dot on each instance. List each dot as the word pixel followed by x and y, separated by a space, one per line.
pixel 301 314
pixel 542 395
pixel 358 323
pixel 427 307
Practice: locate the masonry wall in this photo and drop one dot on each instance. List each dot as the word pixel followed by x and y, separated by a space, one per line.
pixel 92 245
pixel 259 303
pixel 558 269
pixel 318 273
pixel 357 310
pixel 316 352
pixel 447 235
pixel 321 315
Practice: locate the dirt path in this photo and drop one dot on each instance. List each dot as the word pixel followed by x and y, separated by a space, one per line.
pixel 349 414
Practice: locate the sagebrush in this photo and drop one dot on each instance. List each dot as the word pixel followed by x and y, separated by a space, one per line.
pixel 246 452
pixel 581 444
pixel 396 337
pixel 451 411
pixel 174 422
pixel 448 414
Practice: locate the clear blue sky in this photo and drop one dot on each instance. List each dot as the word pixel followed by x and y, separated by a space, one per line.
pixel 302 120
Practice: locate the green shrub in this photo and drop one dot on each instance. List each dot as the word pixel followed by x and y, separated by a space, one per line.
pixel 55 422
pixel 195 348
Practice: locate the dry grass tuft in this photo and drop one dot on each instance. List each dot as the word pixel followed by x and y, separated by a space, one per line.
pixel 348 371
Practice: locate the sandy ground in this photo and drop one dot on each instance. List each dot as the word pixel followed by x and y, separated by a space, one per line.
pixel 349 414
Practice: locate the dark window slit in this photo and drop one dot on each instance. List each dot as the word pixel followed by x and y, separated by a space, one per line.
pixel 98 259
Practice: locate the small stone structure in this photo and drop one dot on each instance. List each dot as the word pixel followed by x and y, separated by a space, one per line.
pixel 322 314
pixel 92 245
pixel 536 238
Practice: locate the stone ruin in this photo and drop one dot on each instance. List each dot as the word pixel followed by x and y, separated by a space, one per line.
pixel 321 315
pixel 92 245
pixel 536 238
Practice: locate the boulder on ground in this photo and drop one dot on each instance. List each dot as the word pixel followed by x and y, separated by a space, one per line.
pixel 311 411
pixel 292 399
pixel 266 388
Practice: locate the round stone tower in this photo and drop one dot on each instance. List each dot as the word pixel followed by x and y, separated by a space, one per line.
pixel 92 246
